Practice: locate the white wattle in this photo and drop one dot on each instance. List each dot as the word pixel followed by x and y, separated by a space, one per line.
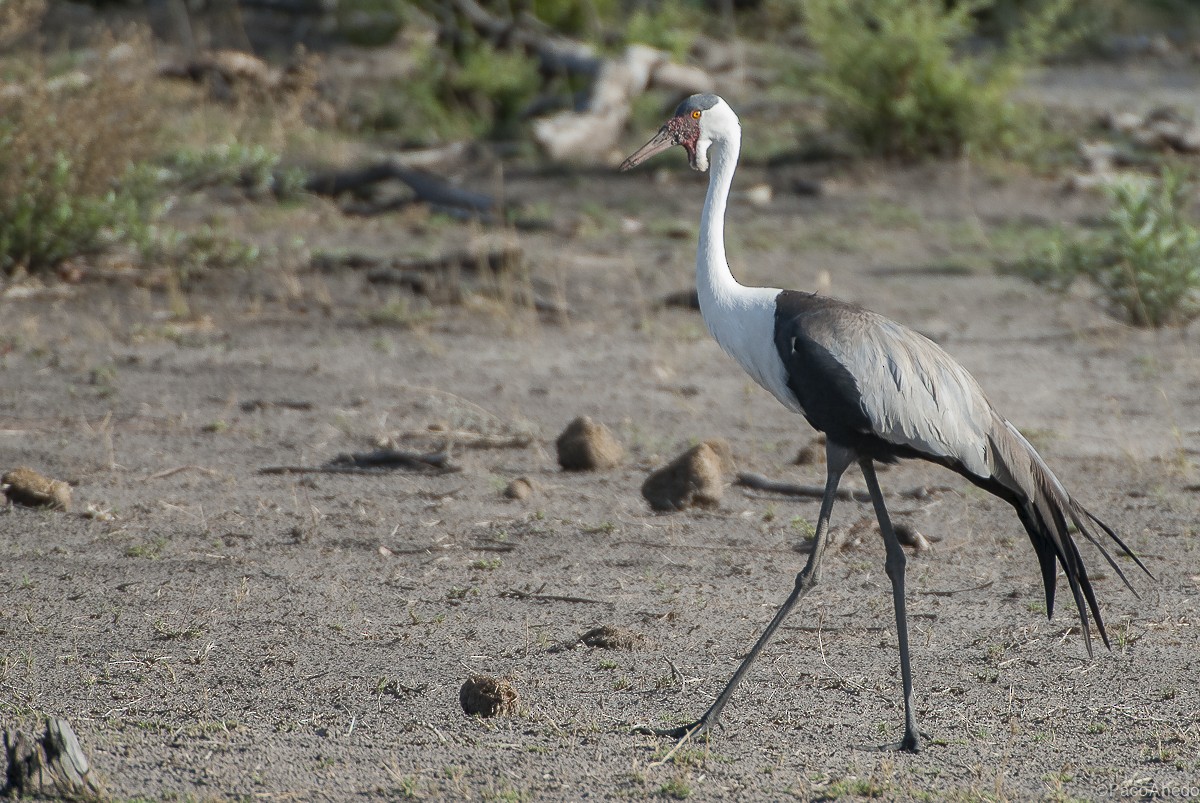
pixel 741 319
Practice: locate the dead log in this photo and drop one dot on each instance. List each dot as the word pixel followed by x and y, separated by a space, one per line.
pixel 426 187
pixel 51 766
pixel 450 277
pixel 757 481
pixel 592 132
pixel 387 269
pixel 376 462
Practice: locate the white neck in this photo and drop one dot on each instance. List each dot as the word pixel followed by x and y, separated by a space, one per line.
pixel 714 282
pixel 741 319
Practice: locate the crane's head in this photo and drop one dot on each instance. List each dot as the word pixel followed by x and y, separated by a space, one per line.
pixel 698 122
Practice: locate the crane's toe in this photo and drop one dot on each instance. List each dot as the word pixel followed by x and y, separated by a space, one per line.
pixel 689 731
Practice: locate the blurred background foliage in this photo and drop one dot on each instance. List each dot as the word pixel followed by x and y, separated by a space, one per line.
pixel 89 160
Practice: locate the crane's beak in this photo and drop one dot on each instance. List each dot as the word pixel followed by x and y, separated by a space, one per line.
pixel 662 140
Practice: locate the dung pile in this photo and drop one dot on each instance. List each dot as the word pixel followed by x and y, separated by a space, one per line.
pixel 486 696
pixel 587 446
pixel 24 486
pixel 694 479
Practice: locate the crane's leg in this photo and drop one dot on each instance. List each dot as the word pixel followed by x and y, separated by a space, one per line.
pixel 895 571
pixel 837 459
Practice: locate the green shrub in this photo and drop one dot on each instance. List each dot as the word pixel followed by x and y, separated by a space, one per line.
pixel 47 221
pixel 1145 259
pixel 71 183
pixel 668 26
pixel 496 85
pixel 897 82
pixel 253 167
pixel 478 92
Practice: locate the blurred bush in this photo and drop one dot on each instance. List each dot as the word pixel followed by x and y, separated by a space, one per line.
pixel 900 80
pixel 71 147
pixel 1144 259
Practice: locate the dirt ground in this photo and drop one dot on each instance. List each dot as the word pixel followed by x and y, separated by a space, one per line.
pixel 216 632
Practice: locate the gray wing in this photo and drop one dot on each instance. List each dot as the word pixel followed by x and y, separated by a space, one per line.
pixel 912 392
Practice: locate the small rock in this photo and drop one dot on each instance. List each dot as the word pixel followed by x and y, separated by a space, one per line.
pixel 608 637
pixel 587 446
pixel 695 478
pixel 811 452
pixel 24 486
pixel 486 696
pixel 1124 122
pixel 910 536
pixel 757 195
pixel 519 489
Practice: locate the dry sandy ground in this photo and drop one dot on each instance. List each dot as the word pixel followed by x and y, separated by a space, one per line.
pixel 222 633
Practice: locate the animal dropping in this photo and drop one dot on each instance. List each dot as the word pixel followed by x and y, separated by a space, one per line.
pixel 24 486
pixel 519 489
pixel 694 479
pixel 588 446
pixel 610 637
pixel 880 392
pixel 486 696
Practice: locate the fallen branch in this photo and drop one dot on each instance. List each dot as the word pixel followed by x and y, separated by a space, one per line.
pixel 170 472
pixel 954 591
pixel 395 458
pixel 514 593
pixel 427 188
pixel 482 546
pixel 254 405
pixel 493 263
pixel 379 461
pixel 469 440
pixel 758 482
pixel 761 483
pixel 445 278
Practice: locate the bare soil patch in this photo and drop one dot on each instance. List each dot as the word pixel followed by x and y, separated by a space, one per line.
pixel 214 631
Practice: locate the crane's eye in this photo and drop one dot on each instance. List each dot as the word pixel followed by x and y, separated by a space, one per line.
pixel 696 115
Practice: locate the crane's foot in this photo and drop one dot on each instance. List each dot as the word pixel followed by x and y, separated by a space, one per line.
pixel 912 742
pixel 683 733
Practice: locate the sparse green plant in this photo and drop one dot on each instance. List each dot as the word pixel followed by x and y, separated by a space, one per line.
pixel 410 787
pixel 400 313
pixel 676 788
pixel 803 526
pixel 72 176
pixel 667 25
pixel 854 787
pixel 472 89
pixel 1144 259
pixel 150 549
pixel 897 83
pixel 253 167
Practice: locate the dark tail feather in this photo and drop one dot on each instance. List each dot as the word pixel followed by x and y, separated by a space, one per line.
pixel 1045 507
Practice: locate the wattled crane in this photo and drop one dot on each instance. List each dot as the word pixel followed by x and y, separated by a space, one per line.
pixel 879 391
